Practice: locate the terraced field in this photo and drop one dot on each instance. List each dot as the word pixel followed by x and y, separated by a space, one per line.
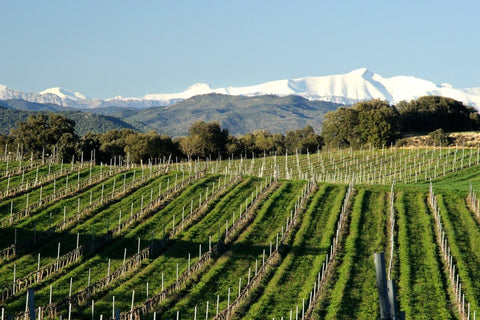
pixel 267 238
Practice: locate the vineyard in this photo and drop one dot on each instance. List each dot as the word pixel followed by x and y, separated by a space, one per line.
pixel 275 237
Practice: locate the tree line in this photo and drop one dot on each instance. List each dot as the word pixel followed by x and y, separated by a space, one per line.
pixel 53 135
pixel 378 123
pixel 373 122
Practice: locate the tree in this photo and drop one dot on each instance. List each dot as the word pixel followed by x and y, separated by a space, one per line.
pixel 371 122
pixel 339 128
pixel 378 122
pixel 263 141
pixel 161 146
pixel 89 145
pixel 6 141
pixel 247 143
pixel 113 142
pixel 50 133
pixel 303 140
pixel 439 138
pixel 205 139
pixel 136 145
pixel 430 113
pixel 31 133
pixel 278 143
pixel 66 146
pixel 190 146
pixel 233 146
pixel 148 146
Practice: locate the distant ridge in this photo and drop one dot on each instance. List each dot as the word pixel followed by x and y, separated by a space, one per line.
pixel 238 114
pixel 357 85
pixel 84 121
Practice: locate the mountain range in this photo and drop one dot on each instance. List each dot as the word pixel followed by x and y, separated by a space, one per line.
pixel 277 106
pixel 239 114
pixel 346 89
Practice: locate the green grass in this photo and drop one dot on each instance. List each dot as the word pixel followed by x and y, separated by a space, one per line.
pixel 423 289
pixel 354 295
pixel 240 257
pixel 296 275
pixel 41 221
pixel 28 177
pixel 332 300
pixel 19 202
pixel 99 262
pixel 370 166
pixel 422 285
pixel 14 166
pixel 28 262
pixel 186 242
pixel 463 233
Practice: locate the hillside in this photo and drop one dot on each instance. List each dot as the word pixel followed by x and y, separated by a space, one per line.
pixel 240 241
pixel 462 139
pixel 32 106
pixel 239 114
pixel 90 122
pixel 85 122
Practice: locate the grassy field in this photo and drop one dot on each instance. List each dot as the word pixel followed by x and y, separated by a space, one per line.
pixel 298 271
pixel 241 256
pixel 422 287
pixel 118 213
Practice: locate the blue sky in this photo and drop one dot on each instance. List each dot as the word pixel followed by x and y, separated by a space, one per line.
pixel 132 48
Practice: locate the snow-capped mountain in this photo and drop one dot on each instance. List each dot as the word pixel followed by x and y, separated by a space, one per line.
pixel 357 85
pixel 58 96
pixel 64 94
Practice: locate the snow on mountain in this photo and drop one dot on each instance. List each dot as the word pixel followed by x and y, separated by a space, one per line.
pixel 59 96
pixel 9 93
pixel 194 90
pixel 64 94
pixel 346 89
pixel 473 91
pixel 357 85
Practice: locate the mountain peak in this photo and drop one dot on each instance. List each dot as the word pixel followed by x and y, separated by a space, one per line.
pixel 360 71
pixel 199 85
pixel 64 93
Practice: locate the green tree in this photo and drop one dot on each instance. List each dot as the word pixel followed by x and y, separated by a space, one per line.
pixel 378 122
pixel 247 142
pixel 205 139
pixel 371 122
pixel 113 142
pixel 136 144
pixel 51 133
pixel 7 141
pixel 148 146
pixel 430 113
pixel 263 141
pixel 339 128
pixel 161 145
pixel 278 143
pixel 190 146
pixel 233 146
pixel 439 138
pixel 303 140
pixel 89 145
